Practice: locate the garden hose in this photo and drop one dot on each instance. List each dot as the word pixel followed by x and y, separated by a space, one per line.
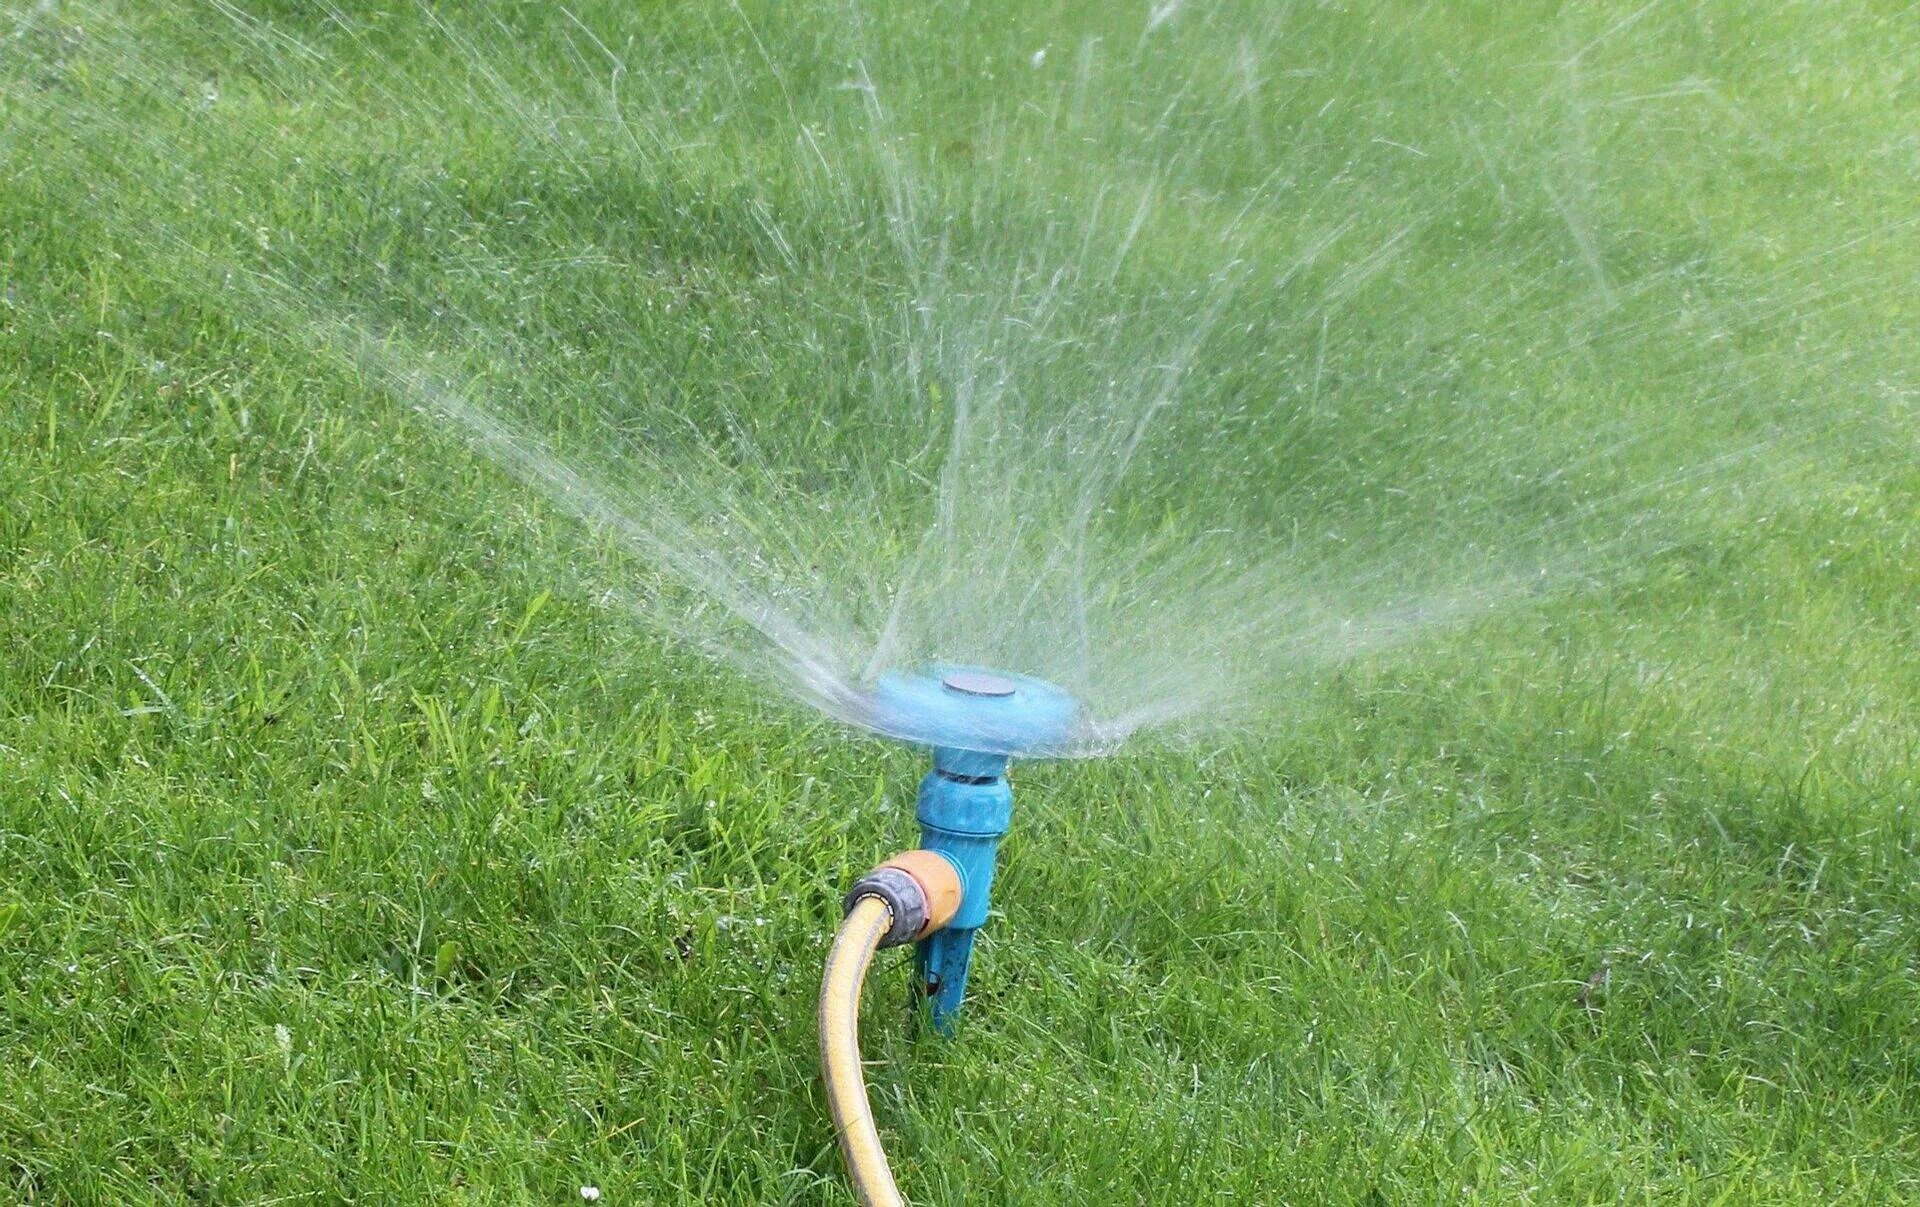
pixel 906 898
pixel 853 947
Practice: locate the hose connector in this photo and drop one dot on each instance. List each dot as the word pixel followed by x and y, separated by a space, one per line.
pixel 921 888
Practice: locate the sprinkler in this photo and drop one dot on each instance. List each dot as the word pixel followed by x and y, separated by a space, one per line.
pixel 937 896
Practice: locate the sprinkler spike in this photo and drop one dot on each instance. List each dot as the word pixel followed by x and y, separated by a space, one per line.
pixel 941 963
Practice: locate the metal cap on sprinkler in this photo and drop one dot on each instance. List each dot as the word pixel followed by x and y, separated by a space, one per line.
pixel 976 721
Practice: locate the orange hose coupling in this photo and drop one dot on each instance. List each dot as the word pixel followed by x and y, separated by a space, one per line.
pixel 922 888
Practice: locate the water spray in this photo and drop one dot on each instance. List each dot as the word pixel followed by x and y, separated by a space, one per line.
pixel 938 896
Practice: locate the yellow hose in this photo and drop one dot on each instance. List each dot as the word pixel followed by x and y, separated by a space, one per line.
pixel 853 946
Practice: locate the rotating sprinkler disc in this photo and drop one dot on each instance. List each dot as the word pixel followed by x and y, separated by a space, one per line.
pixel 967 708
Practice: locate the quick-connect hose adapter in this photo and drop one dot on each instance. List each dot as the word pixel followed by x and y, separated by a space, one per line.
pixel 921 888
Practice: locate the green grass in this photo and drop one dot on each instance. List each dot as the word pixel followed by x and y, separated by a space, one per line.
pixel 353 847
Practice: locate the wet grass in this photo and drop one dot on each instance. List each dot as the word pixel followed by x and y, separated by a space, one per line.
pixel 354 848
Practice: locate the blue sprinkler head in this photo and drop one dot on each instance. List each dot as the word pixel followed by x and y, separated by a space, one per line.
pixel 964 711
pixel 975 720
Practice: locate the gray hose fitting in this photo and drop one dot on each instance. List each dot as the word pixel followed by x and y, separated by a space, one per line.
pixel 902 894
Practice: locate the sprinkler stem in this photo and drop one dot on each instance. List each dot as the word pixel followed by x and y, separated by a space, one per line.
pixel 964 807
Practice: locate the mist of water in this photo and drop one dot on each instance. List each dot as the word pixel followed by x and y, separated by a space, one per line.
pixel 1173 368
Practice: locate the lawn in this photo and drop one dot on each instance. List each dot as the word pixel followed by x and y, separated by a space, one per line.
pixel 383 820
